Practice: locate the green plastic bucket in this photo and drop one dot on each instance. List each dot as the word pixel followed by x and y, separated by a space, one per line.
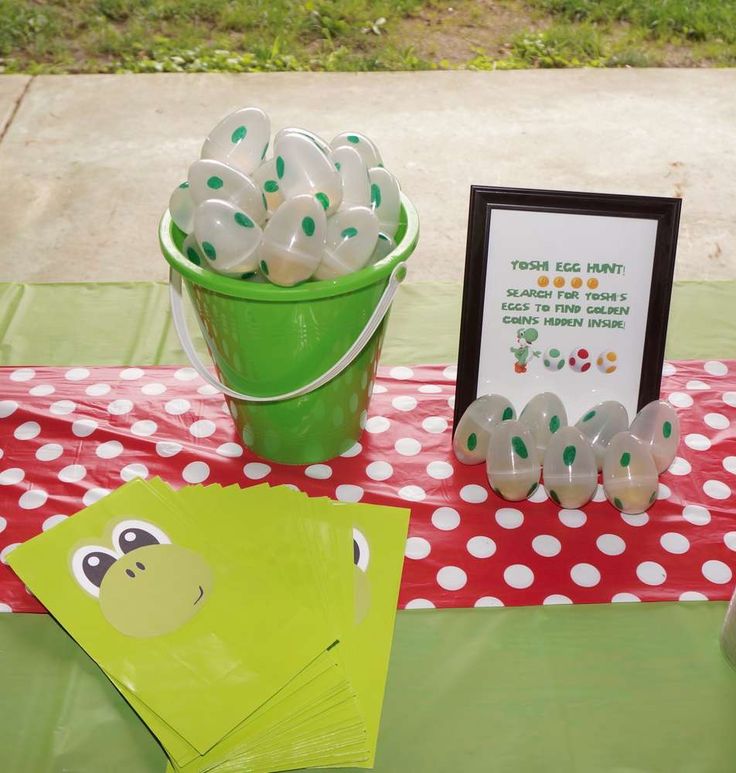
pixel 296 364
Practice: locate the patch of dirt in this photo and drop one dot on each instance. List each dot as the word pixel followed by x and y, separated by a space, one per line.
pixel 455 30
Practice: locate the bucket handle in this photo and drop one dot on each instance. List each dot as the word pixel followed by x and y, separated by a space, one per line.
pixel 177 313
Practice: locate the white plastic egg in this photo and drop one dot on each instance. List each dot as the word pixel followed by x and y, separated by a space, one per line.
pixel 227 237
pixel 512 463
pixel 657 425
pixel 569 469
pixel 351 238
pixel 181 208
pixel 266 180
pixel 240 139
pixel 629 474
pixel 193 251
pixel 214 180
pixel 385 198
pixel 361 143
pixel 544 414
pixel 600 424
pixel 315 138
pixel 470 441
pixel 356 186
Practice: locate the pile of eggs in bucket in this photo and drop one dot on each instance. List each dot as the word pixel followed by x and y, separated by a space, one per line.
pixel 517 452
pixel 310 211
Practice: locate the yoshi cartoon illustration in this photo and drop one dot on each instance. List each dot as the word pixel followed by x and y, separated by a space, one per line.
pixel 361 559
pixel 146 586
pixel 523 352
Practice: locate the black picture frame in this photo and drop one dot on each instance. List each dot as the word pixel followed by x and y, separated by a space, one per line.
pixel 485 199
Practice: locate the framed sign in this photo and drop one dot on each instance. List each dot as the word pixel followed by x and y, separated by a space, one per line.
pixel 567 293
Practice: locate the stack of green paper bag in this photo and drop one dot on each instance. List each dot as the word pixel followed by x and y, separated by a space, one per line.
pixel 249 628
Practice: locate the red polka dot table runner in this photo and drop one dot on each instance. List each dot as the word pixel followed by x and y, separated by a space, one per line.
pixel 70 435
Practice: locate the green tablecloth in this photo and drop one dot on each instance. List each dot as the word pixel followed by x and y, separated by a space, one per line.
pixel 619 688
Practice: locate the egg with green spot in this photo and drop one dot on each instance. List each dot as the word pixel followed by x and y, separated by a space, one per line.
pixel 193 251
pixel 600 423
pixel 366 147
pixel 544 414
pixel 229 246
pixel 513 465
pixel 356 187
pixel 315 139
pixel 470 441
pixel 181 208
pixel 352 234
pixel 385 245
pixel 266 179
pixel 385 198
pixel 657 425
pixel 629 473
pixel 554 359
pixel 569 468
pixel 213 180
pixel 239 140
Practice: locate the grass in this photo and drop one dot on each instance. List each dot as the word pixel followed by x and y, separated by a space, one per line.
pixel 59 36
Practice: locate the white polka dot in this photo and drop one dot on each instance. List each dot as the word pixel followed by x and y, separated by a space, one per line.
pixel 481 547
pixel 168 448
pixel 318 471
pixel 354 450
pixel 230 450
pixel 451 401
pixel 131 374
pixel 638 519
pixel 33 499
pixel 419 604
pixel 716 421
pixel 445 518
pixel 11 476
pixel 668 369
pixel 697 442
pixel 94 495
pixel 680 399
pixel 434 424
pixel 488 601
pixel 573 519
pixel 473 494
pixel 72 473
pixel 42 390
pixel 7 550
pixel 693 595
pixel 404 403
pixel 538 495
pixel 729 539
pixel 663 491
pixel 377 424
pixel 153 389
pixel 680 466
pixel 52 521
pixel 675 543
pixel 207 389
pixel 196 472
pixel 177 406
pixel 696 385
pixel 417 548
pixel 600 494
pixel 610 544
pixel 439 470
pixel 109 449
pixel 623 598
pixel 730 399
pixel 412 493
pixel 7 407
pixel 144 428
pixel 651 573
pixel 716 489
pixel 401 373
pixel 202 428
pixel 407 446
pixel 62 407
pixel 185 374
pixel 84 427
pixel 48 452
pixel 120 407
pixel 715 368
pixel 509 517
pixel 729 464
pixel 256 470
pixel 585 575
pixel 451 578
pixel 716 572
pixel 450 372
pixel 697 515
pixel 76 374
pixel 379 470
pixel 27 431
pixel 518 576
pixel 430 389
pixel 22 374
pixel 546 545
pixel 557 598
pixel 135 470
pixel 347 492
pixel 3 523
pixel 97 390
pixel 377 389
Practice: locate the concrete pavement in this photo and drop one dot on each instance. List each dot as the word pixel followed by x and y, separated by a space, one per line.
pixel 88 161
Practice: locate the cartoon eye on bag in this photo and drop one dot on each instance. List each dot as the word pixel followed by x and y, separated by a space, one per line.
pixel 361 551
pixel 133 534
pixel 90 565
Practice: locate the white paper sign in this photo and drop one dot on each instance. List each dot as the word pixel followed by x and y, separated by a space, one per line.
pixel 565 308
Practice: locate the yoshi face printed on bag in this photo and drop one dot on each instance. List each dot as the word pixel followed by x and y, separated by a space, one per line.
pixel 146 585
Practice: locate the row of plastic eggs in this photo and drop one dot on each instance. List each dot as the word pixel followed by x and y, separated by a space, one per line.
pixel 517 452
pixel 312 210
